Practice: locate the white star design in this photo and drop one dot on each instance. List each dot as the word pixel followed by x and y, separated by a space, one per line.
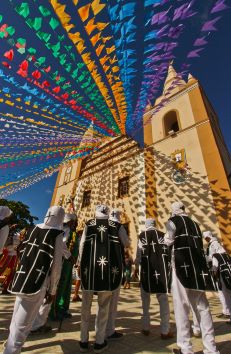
pixel 114 271
pixel 102 262
pixel 102 229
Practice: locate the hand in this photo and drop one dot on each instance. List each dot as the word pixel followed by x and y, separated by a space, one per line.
pixel 49 298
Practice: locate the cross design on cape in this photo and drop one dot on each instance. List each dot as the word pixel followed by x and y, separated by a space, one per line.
pixel 34 244
pixel 156 275
pixel 185 266
pixel 164 248
pixel 114 271
pixel 153 246
pixel 40 272
pixel 102 263
pixel 102 229
pixel 203 276
pixel 113 213
pixel 18 274
pixel 142 244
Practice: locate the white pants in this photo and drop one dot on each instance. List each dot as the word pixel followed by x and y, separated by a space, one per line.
pixel 110 329
pixel 26 308
pixel 104 298
pixel 225 298
pixel 197 299
pixel 42 315
pixel 164 311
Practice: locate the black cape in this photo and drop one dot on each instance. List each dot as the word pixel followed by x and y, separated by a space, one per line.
pixel 101 261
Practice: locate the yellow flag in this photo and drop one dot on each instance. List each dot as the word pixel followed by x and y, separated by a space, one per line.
pixel 84 12
pixel 99 49
pixel 102 25
pixel 95 38
pixel 90 26
pixel 111 49
pixel 97 7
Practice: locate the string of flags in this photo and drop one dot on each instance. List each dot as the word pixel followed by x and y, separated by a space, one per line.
pixel 75 73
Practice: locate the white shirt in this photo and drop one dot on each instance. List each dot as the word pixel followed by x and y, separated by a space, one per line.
pixel 214 247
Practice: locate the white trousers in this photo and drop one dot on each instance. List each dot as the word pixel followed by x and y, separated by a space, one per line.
pixel 25 310
pixel 164 311
pixel 225 298
pixel 42 315
pixel 104 298
pixel 197 299
pixel 110 329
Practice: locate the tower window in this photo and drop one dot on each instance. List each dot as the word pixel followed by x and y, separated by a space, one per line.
pixel 86 199
pixel 171 123
pixel 67 176
pixel 123 185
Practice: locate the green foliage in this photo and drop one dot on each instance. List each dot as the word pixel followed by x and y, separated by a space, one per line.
pixel 22 216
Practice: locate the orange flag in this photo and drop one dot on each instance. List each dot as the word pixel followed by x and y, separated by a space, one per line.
pixel 97 7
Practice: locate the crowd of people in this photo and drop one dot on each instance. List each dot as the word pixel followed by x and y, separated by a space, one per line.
pixel 38 266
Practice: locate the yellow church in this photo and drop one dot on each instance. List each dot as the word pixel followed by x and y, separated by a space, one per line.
pixel 184 157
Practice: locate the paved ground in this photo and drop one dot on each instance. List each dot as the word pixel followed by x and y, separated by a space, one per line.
pixel 66 341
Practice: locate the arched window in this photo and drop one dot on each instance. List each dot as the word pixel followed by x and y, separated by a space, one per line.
pixel 171 123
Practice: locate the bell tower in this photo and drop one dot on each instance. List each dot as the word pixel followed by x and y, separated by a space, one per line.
pixel 191 160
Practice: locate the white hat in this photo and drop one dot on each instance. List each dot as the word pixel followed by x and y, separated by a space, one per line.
pixel 54 217
pixel 177 208
pixel 150 223
pixel 115 215
pixel 5 212
pixel 101 210
pixel 69 217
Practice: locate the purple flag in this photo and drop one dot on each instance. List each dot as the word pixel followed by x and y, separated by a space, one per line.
pixel 199 42
pixel 209 25
pixel 219 6
pixel 194 53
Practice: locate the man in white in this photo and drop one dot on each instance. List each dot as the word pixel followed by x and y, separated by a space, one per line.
pixel 111 333
pixel 190 279
pixel 153 257
pixel 100 263
pixel 5 213
pixel 37 275
pixel 222 267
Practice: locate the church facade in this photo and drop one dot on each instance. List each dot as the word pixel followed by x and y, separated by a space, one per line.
pixel 184 158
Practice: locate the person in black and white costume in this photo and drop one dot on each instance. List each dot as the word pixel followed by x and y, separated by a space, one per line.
pixel 5 214
pixel 221 266
pixel 190 279
pixel 100 261
pixel 111 333
pixel 153 258
pixel 37 275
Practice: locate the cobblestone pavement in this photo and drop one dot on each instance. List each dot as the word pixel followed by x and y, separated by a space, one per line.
pixel 128 321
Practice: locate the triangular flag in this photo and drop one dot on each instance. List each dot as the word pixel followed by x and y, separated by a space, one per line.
pixel 84 12
pixel 97 7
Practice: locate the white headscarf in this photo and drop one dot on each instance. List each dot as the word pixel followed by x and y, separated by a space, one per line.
pixel 115 215
pixel 150 223
pixel 68 217
pixel 53 219
pixel 216 242
pixel 177 208
pixel 5 212
pixel 101 211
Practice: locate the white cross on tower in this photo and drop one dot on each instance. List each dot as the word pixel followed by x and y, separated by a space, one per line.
pixel 18 273
pixel 203 276
pixel 185 266
pixel 156 275
pixel 32 245
pixel 40 272
pixel 153 246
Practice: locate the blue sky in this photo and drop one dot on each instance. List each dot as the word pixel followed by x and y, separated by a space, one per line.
pixel 214 73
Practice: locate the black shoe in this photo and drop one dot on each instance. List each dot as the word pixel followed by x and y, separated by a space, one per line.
pixel 115 335
pixel 84 347
pixel 98 348
pixel 176 351
pixel 222 315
